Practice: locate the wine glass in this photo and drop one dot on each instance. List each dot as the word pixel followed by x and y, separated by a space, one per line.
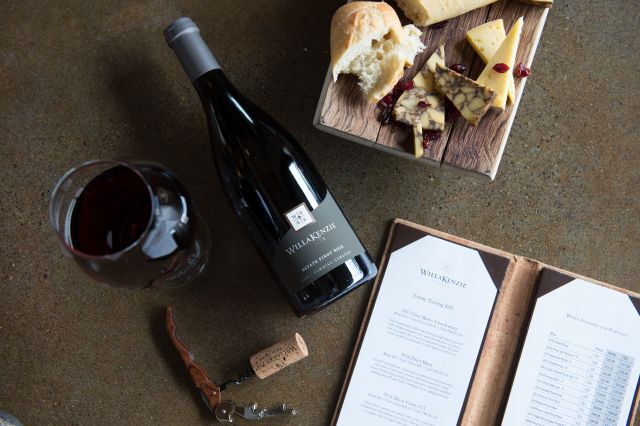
pixel 129 224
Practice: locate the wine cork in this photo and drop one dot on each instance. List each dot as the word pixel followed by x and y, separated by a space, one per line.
pixel 278 356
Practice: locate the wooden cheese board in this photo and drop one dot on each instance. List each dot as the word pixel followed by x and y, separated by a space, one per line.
pixel 344 112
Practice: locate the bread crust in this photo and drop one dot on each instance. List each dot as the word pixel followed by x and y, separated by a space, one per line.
pixel 350 24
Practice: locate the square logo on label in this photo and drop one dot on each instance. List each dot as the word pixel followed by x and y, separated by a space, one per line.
pixel 299 217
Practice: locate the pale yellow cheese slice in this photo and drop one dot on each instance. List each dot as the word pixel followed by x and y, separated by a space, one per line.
pixel 418 148
pixel 485 40
pixel 424 83
pixel 428 12
pixel 506 54
pixel 424 77
pixel 436 59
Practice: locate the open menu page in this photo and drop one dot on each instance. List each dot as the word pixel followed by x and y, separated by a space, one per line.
pixel 423 339
pixel 580 363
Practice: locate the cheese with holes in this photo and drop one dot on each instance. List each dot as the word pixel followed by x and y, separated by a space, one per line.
pixel 422 111
pixel 424 77
pixel 485 40
pixel 506 54
pixel 471 99
pixel 428 12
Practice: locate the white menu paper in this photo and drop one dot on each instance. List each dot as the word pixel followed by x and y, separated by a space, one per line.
pixel 423 338
pixel 581 359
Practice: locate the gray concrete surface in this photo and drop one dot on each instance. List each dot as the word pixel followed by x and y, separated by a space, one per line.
pixel 82 80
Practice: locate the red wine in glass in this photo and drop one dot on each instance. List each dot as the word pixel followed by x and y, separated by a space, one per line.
pixel 111 213
pixel 129 224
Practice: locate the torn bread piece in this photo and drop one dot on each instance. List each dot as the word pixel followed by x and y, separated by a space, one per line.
pixel 368 40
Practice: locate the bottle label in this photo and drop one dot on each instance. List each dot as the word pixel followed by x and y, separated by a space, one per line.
pixel 318 241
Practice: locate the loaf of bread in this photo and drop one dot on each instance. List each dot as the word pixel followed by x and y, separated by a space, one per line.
pixel 368 40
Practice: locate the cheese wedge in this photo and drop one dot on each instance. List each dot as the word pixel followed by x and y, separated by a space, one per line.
pixel 418 147
pixel 485 40
pixel 435 59
pixel 506 54
pixel 471 99
pixel 424 83
pixel 430 114
pixel 426 116
pixel 433 117
pixel 428 12
pixel 424 77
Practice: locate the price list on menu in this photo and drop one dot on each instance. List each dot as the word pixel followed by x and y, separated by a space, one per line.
pixel 579 364
pixel 579 385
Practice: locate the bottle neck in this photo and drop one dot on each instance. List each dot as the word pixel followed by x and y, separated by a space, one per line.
pixel 183 36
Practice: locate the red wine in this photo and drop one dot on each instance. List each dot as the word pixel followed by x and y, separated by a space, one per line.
pixel 111 213
pixel 143 217
pixel 274 188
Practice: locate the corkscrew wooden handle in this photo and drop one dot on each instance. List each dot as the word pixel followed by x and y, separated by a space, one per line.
pixel 210 391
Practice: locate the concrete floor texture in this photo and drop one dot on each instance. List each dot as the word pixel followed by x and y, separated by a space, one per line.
pixel 84 80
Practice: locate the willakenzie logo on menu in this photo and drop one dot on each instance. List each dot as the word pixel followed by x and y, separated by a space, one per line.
pixel 443 278
pixel 312 237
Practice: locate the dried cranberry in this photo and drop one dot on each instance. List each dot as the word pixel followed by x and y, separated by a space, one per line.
pixel 405 85
pixel 423 104
pixel 389 100
pixel 429 136
pixel 459 68
pixel 522 71
pixel 386 101
pixel 501 68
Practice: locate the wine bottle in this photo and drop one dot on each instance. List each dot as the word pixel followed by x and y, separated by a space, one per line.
pixel 274 188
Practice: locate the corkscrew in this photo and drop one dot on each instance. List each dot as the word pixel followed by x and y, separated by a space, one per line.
pixel 262 364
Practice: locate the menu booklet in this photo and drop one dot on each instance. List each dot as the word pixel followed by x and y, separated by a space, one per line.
pixel 460 333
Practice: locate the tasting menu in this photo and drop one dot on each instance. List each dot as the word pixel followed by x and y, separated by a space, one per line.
pixel 581 359
pixel 426 325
